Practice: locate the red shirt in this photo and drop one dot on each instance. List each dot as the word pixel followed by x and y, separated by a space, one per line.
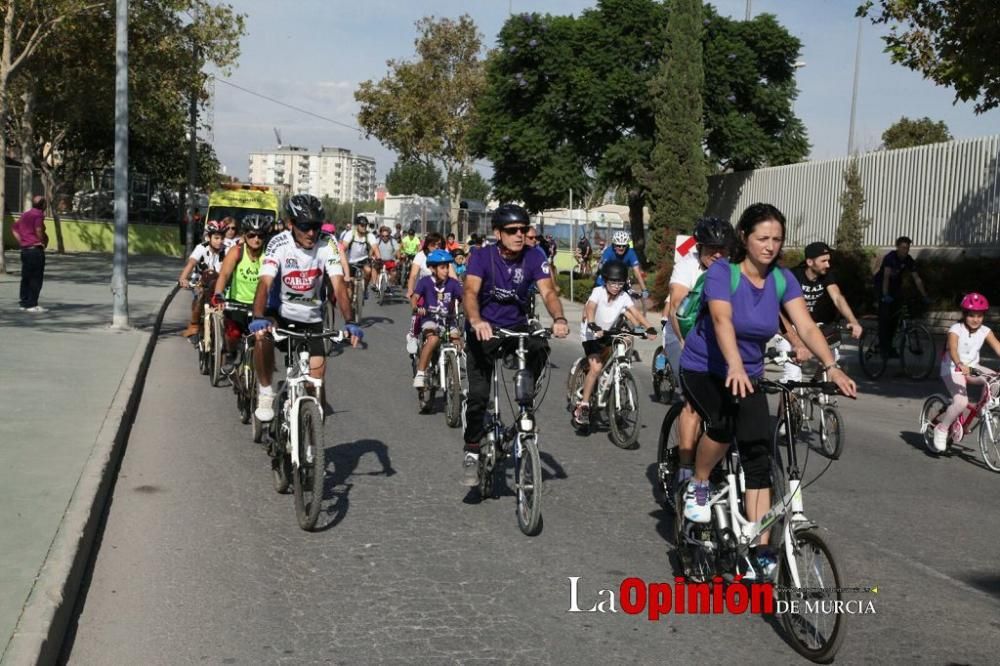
pixel 30 227
pixel 452 246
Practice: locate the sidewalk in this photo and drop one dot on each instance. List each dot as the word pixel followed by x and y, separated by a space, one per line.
pixel 68 379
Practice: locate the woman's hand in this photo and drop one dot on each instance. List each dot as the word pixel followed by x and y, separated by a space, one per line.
pixel 964 369
pixel 844 383
pixel 739 382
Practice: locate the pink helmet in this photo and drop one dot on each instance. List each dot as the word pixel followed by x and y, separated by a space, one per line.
pixel 328 228
pixel 975 302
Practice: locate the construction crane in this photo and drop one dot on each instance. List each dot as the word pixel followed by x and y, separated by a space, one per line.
pixel 277 135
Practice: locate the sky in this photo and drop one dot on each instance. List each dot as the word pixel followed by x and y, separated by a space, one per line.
pixel 313 54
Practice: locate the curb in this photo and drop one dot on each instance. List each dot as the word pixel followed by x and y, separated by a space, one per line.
pixel 41 628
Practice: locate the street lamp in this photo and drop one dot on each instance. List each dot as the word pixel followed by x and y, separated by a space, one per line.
pixel 854 94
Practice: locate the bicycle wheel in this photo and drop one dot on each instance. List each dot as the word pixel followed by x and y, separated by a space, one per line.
pixel 813 633
pixel 831 432
pixel 934 407
pixel 624 412
pixel 383 286
pixel 667 459
pixel 529 488
pixel 918 355
pixel 329 321
pixel 308 477
pixel 245 387
pixel 453 393
pixel 989 439
pixel 869 355
pixel 204 360
pixel 657 378
pixel 359 297
pixel 574 383
pixel 218 348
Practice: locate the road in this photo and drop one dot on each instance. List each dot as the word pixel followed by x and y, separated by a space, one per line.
pixel 200 561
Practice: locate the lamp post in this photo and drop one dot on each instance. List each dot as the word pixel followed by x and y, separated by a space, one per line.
pixel 119 274
pixel 854 94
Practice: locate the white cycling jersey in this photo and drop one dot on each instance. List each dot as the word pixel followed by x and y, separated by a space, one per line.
pixel 206 259
pixel 300 273
pixel 358 246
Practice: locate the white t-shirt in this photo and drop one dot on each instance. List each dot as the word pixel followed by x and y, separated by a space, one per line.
pixel 420 261
pixel 358 246
pixel 608 311
pixel 969 345
pixel 205 259
pixel 301 275
pixel 687 270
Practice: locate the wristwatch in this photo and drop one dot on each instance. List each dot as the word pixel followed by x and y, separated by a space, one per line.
pixel 562 319
pixel 832 366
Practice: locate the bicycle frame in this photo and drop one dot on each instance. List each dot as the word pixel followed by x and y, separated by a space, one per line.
pixel 971 416
pixel 610 377
pixel 297 378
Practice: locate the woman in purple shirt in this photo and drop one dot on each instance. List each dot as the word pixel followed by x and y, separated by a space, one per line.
pixel 724 353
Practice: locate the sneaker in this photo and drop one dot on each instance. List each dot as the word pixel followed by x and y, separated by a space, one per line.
pixel 696 507
pixel 191 330
pixel 940 439
pixel 470 469
pixel 265 408
pixel 37 308
pixel 418 380
pixel 681 478
pixel 411 344
pixel 581 415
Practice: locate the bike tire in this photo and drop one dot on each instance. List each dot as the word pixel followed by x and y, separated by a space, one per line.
pixel 918 352
pixel 990 446
pixel 359 298
pixel 383 285
pixel 453 393
pixel 872 362
pixel 244 392
pixel 329 320
pixel 667 458
pixel 657 391
pixel 529 488
pixel 574 382
pixel 624 414
pixel 309 476
pixel 930 414
pixel 818 636
pixel 832 432
pixel 486 469
pixel 218 349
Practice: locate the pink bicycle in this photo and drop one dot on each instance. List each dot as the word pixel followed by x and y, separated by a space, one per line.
pixel 984 414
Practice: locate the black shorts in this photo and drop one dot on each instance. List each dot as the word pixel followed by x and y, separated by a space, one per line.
pixel 241 318
pixel 316 347
pixel 596 346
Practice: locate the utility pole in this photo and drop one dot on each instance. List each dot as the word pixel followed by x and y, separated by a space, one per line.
pixel 192 143
pixel 572 232
pixel 119 273
pixel 749 11
pixel 854 94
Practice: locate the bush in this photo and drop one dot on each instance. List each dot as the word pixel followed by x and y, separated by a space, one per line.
pixel 582 286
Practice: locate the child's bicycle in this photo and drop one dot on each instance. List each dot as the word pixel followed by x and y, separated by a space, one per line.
pixel 444 370
pixel 985 415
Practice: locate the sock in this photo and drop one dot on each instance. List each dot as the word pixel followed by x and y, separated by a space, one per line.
pixel 264 390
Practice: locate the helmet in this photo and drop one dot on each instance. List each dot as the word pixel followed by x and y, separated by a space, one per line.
pixel 305 209
pixel 360 219
pixel 620 238
pixel 975 302
pixel 213 227
pixel 254 223
pixel 328 228
pixel 614 271
pixel 438 257
pixel 714 232
pixel 510 214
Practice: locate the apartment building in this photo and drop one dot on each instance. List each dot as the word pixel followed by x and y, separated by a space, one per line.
pixel 333 172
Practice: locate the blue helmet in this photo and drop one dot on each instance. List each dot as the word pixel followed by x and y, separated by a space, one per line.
pixel 439 257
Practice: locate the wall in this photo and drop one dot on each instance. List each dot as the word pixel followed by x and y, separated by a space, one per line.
pixel 87 236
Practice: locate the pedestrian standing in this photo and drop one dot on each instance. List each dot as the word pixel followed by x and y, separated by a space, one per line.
pixel 29 230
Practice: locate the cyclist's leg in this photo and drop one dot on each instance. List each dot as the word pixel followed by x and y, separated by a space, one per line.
pixel 689 427
pixel 957 385
pixel 479 368
pixel 430 343
pixel 753 436
pixel 707 395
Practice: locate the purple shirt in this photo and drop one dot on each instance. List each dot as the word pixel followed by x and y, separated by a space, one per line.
pixel 755 318
pixel 503 295
pixel 449 295
pixel 29 227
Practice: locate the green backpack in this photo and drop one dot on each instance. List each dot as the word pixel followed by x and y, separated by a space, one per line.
pixel 693 304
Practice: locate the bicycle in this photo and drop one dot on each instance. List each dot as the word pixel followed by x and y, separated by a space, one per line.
pixel 984 415
pixel 358 288
pixel 296 433
pixel 912 343
pixel 807 569
pixel 616 395
pixel 813 412
pixel 664 382
pixel 444 371
pixel 381 285
pixel 518 441
pixel 244 376
pixel 403 270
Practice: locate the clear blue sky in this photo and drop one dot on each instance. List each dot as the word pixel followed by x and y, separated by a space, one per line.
pixel 313 53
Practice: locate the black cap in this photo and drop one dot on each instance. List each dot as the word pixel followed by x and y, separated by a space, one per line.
pixel 817 249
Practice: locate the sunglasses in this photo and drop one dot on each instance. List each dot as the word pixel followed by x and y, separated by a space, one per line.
pixel 510 231
pixel 252 234
pixel 306 227
pixel 620 247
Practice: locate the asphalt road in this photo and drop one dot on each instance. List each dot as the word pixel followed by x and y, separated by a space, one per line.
pixel 202 562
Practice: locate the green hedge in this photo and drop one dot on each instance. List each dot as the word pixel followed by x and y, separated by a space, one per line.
pixel 582 286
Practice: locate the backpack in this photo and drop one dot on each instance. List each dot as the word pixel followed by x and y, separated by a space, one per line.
pixel 693 305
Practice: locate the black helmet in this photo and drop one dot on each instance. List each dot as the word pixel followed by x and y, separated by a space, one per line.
pixel 305 209
pixel 714 232
pixel 614 271
pixel 360 219
pixel 510 214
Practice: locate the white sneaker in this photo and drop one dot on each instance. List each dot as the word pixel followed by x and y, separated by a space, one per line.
pixel 411 344
pixel 940 439
pixel 37 308
pixel 265 408
pixel 696 497
pixel 418 380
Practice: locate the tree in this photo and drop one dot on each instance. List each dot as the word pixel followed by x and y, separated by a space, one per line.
pixel 424 109
pixel 475 187
pixel 906 133
pixel 675 180
pixel 414 177
pixel 951 42
pixel 851 229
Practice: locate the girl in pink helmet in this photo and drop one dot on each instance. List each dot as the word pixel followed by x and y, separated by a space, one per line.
pixel 965 339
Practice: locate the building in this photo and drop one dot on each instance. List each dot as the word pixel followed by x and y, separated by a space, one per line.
pixel 332 172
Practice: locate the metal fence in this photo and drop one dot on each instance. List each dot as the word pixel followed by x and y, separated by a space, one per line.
pixel 941 195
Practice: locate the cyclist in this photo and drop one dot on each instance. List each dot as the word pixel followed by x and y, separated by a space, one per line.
pixel 232 229
pixel 888 283
pixel 418 267
pixel 303 264
pixel 605 305
pixel 438 292
pixel 724 353
pixel 361 246
pixel 207 258
pixel 243 266
pixel 620 249
pixel 460 259
pixel 714 239
pixel 584 254
pixel 410 244
pixel 965 339
pixel 451 244
pixel 825 302
pixel 387 249
pixel 398 234
pixel 496 293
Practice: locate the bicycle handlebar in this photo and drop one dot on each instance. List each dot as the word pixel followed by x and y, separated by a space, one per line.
pixel 503 333
pixel 769 386
pixel 280 334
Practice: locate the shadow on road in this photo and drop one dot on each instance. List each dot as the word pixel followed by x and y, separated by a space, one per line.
pixel 969 454
pixel 345 459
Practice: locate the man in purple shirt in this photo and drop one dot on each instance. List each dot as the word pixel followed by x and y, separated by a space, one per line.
pixel 29 230
pixel 498 280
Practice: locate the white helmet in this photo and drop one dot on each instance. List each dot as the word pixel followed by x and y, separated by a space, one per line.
pixel 620 238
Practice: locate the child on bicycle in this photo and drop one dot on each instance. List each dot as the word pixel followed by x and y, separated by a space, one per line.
pixel 459 263
pixel 435 292
pixel 605 305
pixel 965 339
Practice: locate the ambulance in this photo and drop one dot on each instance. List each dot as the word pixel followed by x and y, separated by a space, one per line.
pixel 239 200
